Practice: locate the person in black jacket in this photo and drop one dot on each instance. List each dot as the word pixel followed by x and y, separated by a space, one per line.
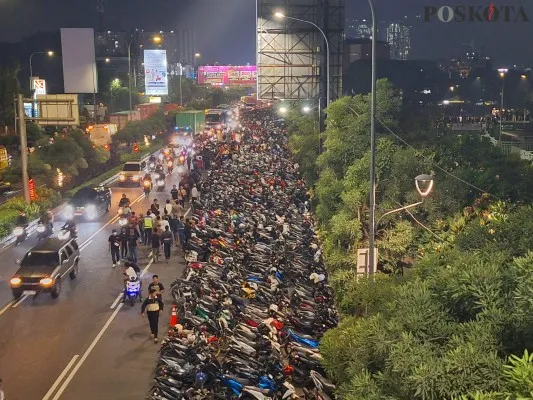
pixel 153 306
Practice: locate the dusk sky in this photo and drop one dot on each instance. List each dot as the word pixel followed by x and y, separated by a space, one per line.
pixel 224 29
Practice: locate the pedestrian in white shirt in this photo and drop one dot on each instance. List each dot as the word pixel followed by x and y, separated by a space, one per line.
pixel 194 193
pixel 168 208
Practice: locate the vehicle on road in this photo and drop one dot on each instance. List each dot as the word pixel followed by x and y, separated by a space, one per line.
pixel 44 230
pixel 5 187
pixel 131 173
pixel 44 266
pixel 133 290
pixel 88 203
pixel 21 233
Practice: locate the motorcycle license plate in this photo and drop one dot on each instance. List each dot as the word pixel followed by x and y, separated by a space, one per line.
pixel 30 292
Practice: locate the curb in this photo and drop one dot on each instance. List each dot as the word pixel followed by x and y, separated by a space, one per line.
pixel 56 211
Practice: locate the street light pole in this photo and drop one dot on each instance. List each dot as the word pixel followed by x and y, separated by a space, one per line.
pixel 372 200
pixel 129 78
pixel 501 111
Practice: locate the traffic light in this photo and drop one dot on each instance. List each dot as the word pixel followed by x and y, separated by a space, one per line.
pixel 135 147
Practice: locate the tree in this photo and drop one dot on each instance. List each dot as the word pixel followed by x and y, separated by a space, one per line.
pixel 9 89
pixel 304 144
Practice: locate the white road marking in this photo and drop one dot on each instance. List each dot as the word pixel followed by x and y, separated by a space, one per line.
pixel 3 310
pixel 85 244
pixel 24 297
pixel 60 378
pixel 116 301
pixel 187 212
pixel 93 345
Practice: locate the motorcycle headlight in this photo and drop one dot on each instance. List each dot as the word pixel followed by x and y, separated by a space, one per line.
pixel 18 231
pixel 41 228
pixel 91 211
pixel 63 235
pixel 46 281
pixel 160 183
pixel 122 178
pixel 68 212
pixel 136 177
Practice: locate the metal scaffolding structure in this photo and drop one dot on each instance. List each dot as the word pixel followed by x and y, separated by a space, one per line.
pixel 291 55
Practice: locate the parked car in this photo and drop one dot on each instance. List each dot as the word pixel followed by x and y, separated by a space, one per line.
pixel 44 266
pixel 131 173
pixel 88 203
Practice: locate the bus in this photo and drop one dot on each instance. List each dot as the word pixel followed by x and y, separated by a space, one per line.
pixel 216 119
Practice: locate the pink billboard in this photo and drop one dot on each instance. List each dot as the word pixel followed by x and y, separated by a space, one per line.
pixel 226 75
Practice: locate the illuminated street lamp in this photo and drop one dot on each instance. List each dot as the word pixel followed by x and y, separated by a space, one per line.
pixel 306 109
pixel 107 60
pixel 49 53
pixel 502 72
pixel 197 55
pixel 157 39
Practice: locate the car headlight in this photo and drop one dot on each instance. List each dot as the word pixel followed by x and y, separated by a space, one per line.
pixel 46 281
pixel 68 212
pixel 136 177
pixel 91 211
pixel 15 281
pixel 122 178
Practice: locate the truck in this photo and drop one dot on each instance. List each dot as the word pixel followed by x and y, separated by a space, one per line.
pixel 216 119
pixel 146 110
pixel 100 134
pixel 123 117
pixel 190 121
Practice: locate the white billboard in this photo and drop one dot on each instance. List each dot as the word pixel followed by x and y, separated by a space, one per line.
pixel 39 86
pixel 79 63
pixel 155 72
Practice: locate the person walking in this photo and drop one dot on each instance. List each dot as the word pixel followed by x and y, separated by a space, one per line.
pixel 167 237
pixel 152 306
pixel 156 245
pixel 174 193
pixel 189 161
pixel 148 223
pixel 123 243
pixel 181 232
pixel 173 221
pixel 114 247
pixel 133 238
pixel 167 210
pixel 186 232
pixel 195 195
pixel 157 286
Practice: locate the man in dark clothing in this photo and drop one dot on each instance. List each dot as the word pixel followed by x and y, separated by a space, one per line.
pixel 153 306
pixel 181 231
pixel 132 239
pixel 167 237
pixel 114 247
pixel 186 232
pixel 156 245
pixel 157 286
pixel 189 161
pixel 174 193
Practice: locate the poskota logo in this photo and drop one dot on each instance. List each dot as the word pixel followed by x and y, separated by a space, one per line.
pixel 489 13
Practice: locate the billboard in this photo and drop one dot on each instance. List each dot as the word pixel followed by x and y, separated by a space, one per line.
pixel 79 63
pixel 226 75
pixel 39 86
pixel 155 72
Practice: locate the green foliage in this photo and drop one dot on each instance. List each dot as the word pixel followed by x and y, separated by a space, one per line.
pixel 9 89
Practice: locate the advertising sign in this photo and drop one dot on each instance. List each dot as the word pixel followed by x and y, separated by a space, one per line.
pixel 225 75
pixel 39 87
pixel 79 61
pixel 155 72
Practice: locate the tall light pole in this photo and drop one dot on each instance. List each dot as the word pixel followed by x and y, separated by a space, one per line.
pixel 130 117
pixel 372 200
pixel 49 53
pixel 281 15
pixel 502 72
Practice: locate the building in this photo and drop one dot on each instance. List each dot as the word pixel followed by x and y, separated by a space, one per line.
pixel 399 39
pixel 361 49
pixel 358 29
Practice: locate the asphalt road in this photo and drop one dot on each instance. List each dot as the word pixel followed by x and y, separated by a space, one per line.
pixel 86 344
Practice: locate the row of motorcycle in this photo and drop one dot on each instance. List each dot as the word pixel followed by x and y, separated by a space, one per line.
pixel 253 301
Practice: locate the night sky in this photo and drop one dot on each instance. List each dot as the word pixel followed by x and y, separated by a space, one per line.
pixel 224 29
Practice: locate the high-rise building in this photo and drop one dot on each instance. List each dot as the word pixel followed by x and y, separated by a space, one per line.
pixel 399 39
pixel 358 29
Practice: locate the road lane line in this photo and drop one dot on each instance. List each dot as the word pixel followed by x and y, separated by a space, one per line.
pixel 60 378
pixel 24 297
pixel 3 310
pixel 92 345
pixel 187 212
pixel 84 246
pixel 116 300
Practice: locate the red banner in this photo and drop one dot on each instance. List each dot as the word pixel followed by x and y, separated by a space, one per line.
pixel 31 185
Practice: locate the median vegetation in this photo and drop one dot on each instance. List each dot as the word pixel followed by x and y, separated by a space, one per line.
pixel 449 314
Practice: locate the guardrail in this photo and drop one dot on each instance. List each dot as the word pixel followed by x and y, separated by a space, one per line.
pixel 33 224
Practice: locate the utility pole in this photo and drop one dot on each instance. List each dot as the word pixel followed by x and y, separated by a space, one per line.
pixel 23 148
